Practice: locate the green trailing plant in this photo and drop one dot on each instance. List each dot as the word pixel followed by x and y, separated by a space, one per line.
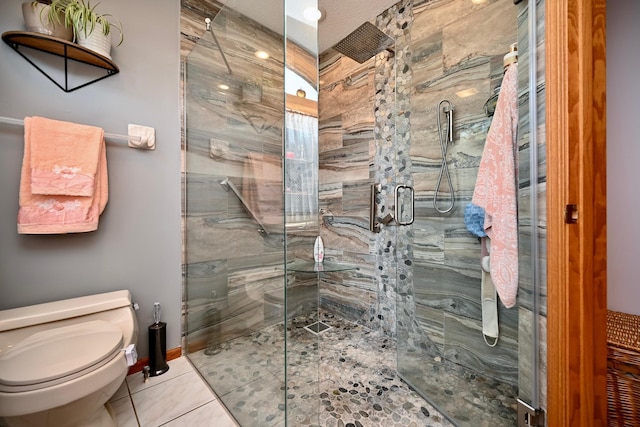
pixel 55 13
pixel 83 18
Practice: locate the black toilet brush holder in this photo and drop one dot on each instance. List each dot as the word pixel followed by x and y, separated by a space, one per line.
pixel 157 345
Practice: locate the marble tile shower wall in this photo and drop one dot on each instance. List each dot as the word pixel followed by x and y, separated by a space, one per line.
pixel 234 280
pixel 442 47
pixel 457 48
pixel 362 140
pixel 347 169
pixel 447 57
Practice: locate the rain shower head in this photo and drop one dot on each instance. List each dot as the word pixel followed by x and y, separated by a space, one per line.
pixel 364 42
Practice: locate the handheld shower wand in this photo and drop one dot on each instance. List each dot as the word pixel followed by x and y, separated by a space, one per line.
pixel 447 108
pixel 449 112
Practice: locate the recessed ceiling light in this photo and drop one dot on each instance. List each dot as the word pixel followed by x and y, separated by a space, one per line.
pixel 261 54
pixel 466 92
pixel 223 86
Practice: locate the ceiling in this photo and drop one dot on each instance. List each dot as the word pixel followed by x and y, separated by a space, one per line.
pixel 341 17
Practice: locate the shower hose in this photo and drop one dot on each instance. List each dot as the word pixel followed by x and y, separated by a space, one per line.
pixel 444 143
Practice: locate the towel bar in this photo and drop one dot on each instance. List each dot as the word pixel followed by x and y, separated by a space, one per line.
pixel 145 140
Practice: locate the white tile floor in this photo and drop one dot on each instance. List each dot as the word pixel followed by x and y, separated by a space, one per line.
pixel 177 398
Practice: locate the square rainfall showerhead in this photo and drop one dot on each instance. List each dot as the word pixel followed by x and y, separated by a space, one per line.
pixel 364 42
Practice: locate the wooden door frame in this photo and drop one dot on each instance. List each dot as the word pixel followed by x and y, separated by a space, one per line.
pixel 576 171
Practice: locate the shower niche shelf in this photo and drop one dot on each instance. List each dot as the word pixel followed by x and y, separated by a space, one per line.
pixel 64 49
pixel 300 266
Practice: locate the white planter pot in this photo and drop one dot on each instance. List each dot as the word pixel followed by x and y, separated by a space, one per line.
pixel 96 41
pixel 35 19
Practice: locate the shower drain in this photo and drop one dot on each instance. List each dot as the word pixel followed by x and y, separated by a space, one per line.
pixel 317 328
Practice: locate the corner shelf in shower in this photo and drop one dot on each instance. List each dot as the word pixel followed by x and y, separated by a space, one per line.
pixel 300 266
pixel 62 48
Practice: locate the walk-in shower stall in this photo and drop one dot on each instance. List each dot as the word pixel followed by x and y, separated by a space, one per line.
pixel 375 146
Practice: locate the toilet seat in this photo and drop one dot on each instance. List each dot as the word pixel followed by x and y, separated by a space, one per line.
pixel 58 355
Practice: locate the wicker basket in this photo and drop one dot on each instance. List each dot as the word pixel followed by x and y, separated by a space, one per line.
pixel 623 369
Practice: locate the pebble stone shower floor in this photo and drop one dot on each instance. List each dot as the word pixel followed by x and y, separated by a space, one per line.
pixel 343 377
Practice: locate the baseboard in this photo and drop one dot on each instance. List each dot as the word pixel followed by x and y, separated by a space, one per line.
pixel 173 353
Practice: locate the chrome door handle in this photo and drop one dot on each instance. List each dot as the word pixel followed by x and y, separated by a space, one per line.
pixel 401 214
pixel 373 208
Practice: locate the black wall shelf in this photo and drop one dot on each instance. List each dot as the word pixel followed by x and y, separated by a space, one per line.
pixel 61 48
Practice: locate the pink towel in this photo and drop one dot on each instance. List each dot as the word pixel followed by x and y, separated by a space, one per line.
pixel 496 188
pixel 64 156
pixel 262 186
pixel 63 183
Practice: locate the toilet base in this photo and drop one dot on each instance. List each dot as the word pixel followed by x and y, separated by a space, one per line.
pixel 90 411
pixel 102 418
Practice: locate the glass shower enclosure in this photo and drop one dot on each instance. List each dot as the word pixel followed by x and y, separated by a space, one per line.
pixel 251 212
pixel 458 345
pixel 263 177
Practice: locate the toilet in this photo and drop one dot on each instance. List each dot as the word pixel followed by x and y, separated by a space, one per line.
pixel 60 362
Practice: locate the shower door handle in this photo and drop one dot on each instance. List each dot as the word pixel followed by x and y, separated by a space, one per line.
pixel 373 207
pixel 401 209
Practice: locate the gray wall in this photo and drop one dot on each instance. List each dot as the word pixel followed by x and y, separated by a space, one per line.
pixel 623 152
pixel 138 243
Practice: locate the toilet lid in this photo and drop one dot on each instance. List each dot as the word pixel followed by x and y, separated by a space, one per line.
pixel 55 353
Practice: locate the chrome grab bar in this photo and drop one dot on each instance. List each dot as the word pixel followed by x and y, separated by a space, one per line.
pixel 228 185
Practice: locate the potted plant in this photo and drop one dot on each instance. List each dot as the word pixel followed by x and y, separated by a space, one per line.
pixel 40 17
pixel 91 29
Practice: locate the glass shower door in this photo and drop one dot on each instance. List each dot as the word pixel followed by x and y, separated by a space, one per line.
pixel 300 157
pixel 251 212
pixel 235 278
pixel 442 348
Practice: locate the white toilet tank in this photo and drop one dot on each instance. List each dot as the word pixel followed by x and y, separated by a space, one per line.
pixel 113 307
